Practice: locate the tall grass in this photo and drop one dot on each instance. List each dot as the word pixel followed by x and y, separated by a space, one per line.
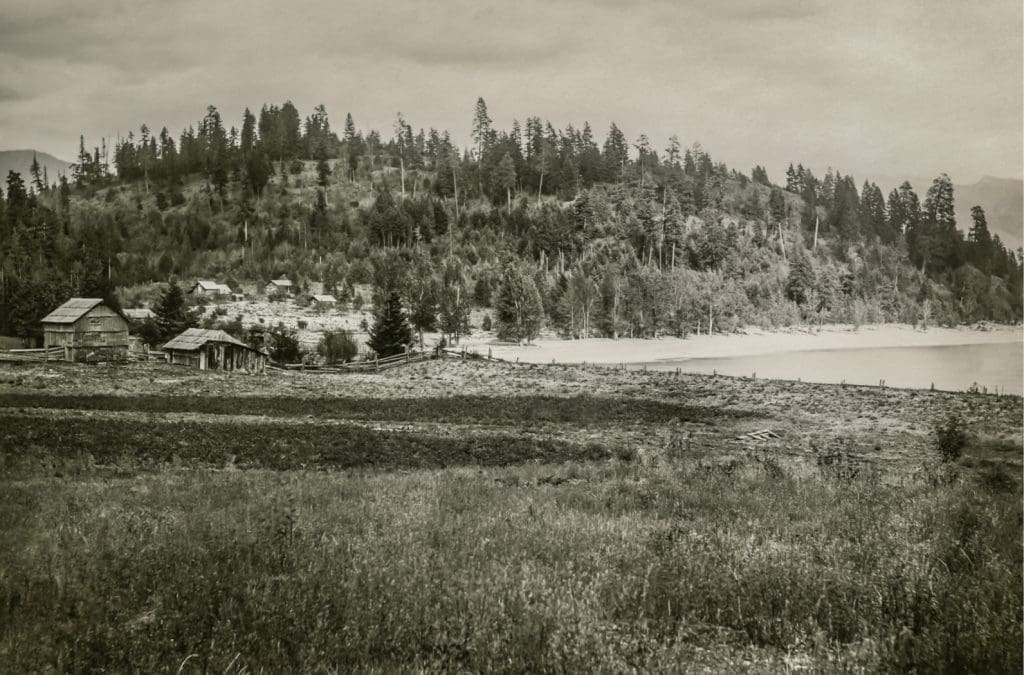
pixel 608 566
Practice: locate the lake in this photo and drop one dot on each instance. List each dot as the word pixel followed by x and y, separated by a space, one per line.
pixel 950 368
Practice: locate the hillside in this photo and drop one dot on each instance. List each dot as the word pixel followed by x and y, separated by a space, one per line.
pixel 544 230
pixel 21 160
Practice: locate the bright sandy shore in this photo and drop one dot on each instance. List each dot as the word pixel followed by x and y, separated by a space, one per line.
pixel 752 341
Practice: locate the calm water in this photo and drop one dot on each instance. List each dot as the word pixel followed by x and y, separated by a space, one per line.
pixel 953 368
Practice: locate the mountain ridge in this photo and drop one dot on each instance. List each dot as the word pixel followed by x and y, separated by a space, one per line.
pixel 20 160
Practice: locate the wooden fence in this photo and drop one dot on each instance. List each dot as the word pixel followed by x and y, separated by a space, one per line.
pixel 375 365
pixel 32 355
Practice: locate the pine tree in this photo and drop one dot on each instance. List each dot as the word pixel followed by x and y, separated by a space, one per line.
pixel 482 133
pixel 323 168
pixel 391 333
pixel 519 308
pixel 801 282
pixel 172 315
pixel 981 248
pixel 938 239
pixel 503 178
pixel 37 179
pixel 247 140
pixel 615 154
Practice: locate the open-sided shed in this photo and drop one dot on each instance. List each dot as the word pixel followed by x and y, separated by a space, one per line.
pixel 214 350
pixel 87 328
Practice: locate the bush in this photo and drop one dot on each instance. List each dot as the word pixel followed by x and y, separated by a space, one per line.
pixel 950 438
pixel 485 325
pixel 284 345
pixel 337 347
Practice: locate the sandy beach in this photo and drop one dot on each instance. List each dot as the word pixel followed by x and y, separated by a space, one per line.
pixel 750 342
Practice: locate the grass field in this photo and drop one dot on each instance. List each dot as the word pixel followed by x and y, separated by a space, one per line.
pixel 489 517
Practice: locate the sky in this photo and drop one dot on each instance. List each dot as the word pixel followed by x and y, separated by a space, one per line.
pixel 873 88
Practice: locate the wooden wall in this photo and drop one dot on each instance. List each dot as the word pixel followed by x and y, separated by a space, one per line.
pixel 101 332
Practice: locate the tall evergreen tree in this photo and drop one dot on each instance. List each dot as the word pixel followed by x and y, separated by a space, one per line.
pixel 172 314
pixel 390 333
pixel 519 309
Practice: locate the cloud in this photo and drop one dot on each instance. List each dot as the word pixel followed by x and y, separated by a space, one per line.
pixel 871 87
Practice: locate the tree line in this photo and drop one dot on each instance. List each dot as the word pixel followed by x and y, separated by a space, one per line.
pixel 591 238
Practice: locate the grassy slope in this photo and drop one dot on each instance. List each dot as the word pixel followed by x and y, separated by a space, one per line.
pixel 136 541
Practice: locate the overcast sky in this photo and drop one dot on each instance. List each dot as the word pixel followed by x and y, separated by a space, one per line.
pixel 874 88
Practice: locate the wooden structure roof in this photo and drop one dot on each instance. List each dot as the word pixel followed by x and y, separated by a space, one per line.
pixel 194 338
pixel 74 309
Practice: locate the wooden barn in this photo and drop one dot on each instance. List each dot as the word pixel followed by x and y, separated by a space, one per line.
pixel 214 350
pixel 87 328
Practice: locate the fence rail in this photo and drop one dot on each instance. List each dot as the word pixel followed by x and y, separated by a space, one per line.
pixel 358 366
pixel 31 354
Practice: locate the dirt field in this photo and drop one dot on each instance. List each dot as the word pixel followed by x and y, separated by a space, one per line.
pixel 642 411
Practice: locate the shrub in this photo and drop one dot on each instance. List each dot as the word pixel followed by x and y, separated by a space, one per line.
pixel 337 346
pixel 485 325
pixel 950 438
pixel 997 479
pixel 284 345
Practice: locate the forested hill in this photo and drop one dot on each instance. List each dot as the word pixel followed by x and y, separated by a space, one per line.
pixel 598 237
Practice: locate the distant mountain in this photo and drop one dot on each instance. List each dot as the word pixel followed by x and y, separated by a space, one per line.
pixel 1002 200
pixel 1000 197
pixel 21 161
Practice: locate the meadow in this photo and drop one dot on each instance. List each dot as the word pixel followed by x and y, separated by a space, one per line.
pixel 162 520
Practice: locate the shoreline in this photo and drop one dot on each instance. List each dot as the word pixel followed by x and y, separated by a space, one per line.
pixel 753 342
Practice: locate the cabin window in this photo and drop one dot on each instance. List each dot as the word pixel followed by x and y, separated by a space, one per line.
pixel 94 320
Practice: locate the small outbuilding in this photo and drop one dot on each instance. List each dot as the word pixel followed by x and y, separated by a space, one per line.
pixel 87 328
pixel 214 350
pixel 279 286
pixel 139 314
pixel 210 289
pixel 324 301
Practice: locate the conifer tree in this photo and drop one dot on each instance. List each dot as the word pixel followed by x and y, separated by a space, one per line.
pixel 37 179
pixel 391 333
pixel 172 315
pixel 504 178
pixel 519 308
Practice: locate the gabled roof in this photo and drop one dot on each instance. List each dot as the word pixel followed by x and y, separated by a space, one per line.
pixel 325 298
pixel 281 282
pixel 194 338
pixel 136 313
pixel 74 309
pixel 212 286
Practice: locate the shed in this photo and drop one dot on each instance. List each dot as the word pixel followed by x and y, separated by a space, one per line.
pixel 211 288
pixel 213 350
pixel 324 301
pixel 87 328
pixel 138 314
pixel 279 286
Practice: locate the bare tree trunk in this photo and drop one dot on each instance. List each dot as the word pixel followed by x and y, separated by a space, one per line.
pixel 508 190
pixel 816 219
pixel 540 188
pixel 455 182
pixel 401 162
